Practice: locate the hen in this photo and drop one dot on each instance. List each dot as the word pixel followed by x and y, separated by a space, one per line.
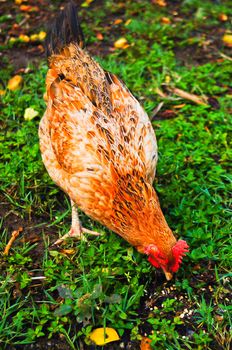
pixel 99 147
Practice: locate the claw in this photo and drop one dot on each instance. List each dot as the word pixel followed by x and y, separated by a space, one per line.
pixel 76 231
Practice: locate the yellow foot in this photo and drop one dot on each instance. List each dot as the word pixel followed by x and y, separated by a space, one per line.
pixel 77 233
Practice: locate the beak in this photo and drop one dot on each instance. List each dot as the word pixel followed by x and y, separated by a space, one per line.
pixel 168 275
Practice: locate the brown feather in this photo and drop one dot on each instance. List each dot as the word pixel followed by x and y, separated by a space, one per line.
pixel 98 145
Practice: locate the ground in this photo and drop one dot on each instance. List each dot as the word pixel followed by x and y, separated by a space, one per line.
pixel 52 298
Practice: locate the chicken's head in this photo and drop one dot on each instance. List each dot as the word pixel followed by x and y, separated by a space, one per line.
pixel 169 264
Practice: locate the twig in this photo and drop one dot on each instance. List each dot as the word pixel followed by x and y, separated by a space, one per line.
pixel 165 96
pixel 160 93
pixel 38 278
pixel 225 56
pixel 188 96
pixel 183 94
pixel 156 110
pixel 14 235
pixel 11 280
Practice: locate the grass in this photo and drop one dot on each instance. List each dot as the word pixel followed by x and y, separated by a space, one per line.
pixel 63 295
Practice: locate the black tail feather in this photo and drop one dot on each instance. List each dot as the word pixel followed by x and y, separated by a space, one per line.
pixel 64 30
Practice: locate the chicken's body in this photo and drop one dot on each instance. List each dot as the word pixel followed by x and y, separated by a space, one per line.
pixel 99 146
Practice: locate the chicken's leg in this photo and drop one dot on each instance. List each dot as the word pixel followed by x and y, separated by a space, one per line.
pixel 76 228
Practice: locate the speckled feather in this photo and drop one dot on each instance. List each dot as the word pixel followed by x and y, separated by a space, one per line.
pixel 98 146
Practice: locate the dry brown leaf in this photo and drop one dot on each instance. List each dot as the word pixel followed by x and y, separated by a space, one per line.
pixel 67 251
pixel 39 48
pixel 167 114
pixel 213 102
pixel 145 344
pixel 32 239
pixel 15 83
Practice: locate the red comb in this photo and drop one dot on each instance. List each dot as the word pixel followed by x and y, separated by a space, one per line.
pixel 179 250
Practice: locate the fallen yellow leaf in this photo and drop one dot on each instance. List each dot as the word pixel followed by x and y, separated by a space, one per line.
pixel 12 40
pixel 227 39
pixel 42 35
pixel 34 37
pixel 24 38
pixel 30 113
pixel 38 37
pixel 86 3
pixel 167 79
pixel 2 92
pixel 102 336
pixel 18 2
pixel 128 22
pixel 15 83
pixel 105 270
pixel 121 43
